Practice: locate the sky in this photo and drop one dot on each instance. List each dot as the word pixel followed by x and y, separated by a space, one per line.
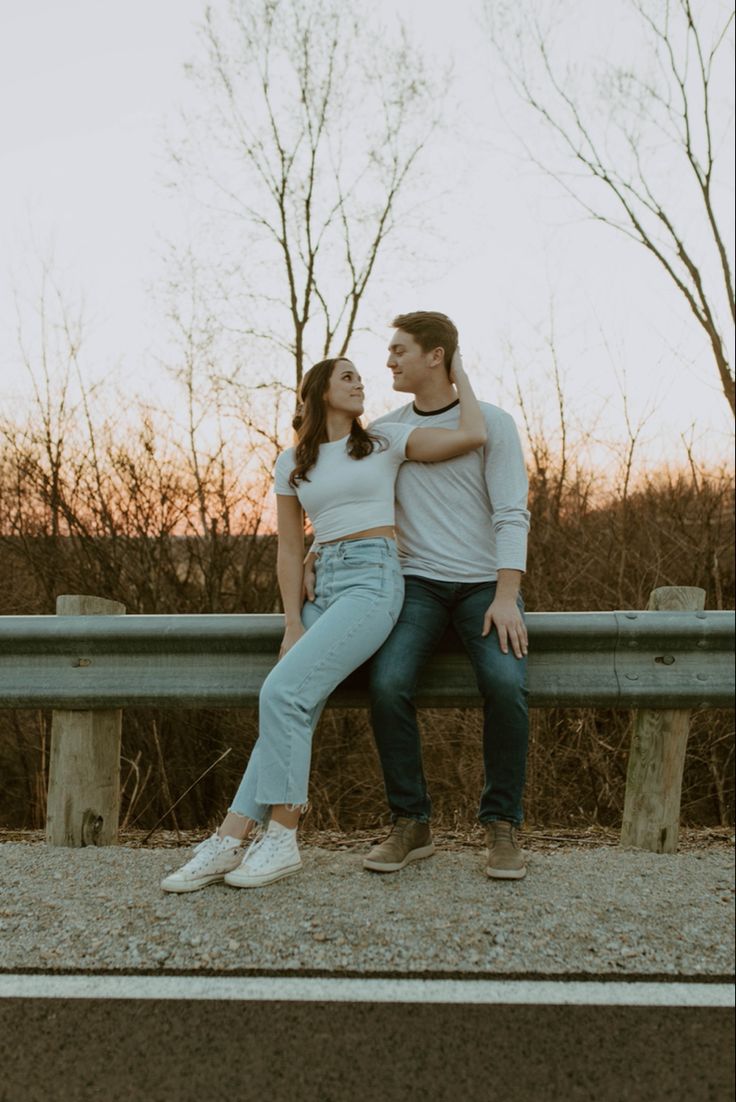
pixel 88 92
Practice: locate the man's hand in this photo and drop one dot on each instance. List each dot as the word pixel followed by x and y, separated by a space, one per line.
pixel 309 578
pixel 292 635
pixel 503 614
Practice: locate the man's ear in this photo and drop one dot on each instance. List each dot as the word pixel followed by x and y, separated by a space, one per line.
pixel 438 357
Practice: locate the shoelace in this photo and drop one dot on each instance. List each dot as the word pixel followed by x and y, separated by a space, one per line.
pixel 504 833
pixel 205 851
pixel 255 844
pixel 265 846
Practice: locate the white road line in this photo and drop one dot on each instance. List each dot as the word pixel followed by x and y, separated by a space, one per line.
pixel 286 989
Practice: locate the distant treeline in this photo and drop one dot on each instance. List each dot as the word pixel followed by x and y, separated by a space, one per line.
pixel 587 551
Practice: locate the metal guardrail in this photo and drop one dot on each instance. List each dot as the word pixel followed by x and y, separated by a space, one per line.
pixel 606 659
pixel 90 661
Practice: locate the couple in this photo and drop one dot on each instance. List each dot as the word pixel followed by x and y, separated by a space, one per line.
pixel 449 474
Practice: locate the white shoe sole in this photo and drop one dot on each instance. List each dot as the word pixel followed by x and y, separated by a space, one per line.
pixel 506 874
pixel 191 885
pixel 238 879
pixel 415 855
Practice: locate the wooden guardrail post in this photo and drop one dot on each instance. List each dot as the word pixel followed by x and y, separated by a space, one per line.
pixel 657 757
pixel 83 801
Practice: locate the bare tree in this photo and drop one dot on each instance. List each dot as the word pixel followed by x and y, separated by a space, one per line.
pixel 633 146
pixel 311 128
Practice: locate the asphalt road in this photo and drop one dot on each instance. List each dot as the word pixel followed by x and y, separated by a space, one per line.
pixel 604 974
pixel 333 1043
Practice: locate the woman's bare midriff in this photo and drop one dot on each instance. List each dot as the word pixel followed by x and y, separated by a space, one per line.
pixel 369 533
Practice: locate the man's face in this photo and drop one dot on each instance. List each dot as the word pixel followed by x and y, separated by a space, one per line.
pixel 408 362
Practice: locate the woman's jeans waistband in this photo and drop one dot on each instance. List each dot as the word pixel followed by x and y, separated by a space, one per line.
pixel 368 545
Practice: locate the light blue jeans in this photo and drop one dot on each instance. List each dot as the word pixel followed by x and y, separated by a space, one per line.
pixel 359 592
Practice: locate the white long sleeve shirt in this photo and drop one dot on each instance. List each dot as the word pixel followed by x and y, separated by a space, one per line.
pixel 464 519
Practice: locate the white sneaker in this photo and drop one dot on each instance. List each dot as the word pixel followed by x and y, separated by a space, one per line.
pixel 273 855
pixel 212 859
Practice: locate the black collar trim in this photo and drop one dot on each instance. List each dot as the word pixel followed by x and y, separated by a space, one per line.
pixel 434 412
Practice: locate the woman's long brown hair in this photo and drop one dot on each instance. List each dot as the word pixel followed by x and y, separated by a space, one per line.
pixel 310 422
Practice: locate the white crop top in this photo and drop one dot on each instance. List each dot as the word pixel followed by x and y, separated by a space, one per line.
pixel 345 495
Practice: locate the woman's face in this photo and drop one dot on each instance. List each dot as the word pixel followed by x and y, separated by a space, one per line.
pixel 345 393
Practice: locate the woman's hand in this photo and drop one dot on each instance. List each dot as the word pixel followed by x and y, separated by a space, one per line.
pixel 292 635
pixel 433 445
pixel 456 366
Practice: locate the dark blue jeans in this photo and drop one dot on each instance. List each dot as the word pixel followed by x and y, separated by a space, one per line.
pixel 429 607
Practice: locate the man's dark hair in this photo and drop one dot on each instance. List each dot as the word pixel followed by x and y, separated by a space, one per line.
pixel 430 330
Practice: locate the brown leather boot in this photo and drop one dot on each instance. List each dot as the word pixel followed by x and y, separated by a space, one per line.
pixel 409 840
pixel 505 859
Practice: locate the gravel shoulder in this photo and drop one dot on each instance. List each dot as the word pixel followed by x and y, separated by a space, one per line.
pixel 586 910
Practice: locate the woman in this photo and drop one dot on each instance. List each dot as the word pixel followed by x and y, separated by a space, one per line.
pixel 343 477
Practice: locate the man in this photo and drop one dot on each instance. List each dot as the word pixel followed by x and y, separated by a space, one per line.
pixel 461 528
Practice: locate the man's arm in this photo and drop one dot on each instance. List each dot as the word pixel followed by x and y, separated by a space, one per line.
pixel 507 484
